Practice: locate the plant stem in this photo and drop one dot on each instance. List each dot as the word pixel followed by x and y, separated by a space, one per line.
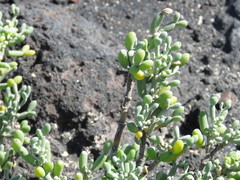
pixel 153 165
pixel 122 121
pixel 140 160
pixel 211 154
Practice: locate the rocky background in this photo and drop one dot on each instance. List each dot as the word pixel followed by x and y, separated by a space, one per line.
pixel 76 78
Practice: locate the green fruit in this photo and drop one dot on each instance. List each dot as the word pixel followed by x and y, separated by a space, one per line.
pixel 145 65
pixel 147 99
pixel 173 100
pixel 184 59
pixel 10 82
pixel 29 53
pixel 123 58
pixel 48 166
pixel 178 147
pixel 39 172
pixel 132 127
pixel 139 56
pixel 139 75
pixel 130 40
pixel 167 157
pixel 18 79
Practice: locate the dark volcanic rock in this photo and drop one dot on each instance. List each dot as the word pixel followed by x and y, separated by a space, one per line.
pixel 78 83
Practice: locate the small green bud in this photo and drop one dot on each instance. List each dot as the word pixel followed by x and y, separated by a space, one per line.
pixel 130 40
pixel 177 119
pixel 78 176
pixel 178 111
pixel 162 100
pixel 176 46
pixel 83 161
pixel 107 147
pixel 163 89
pixel 29 53
pixel 58 168
pixel 178 147
pixel 174 83
pixel 139 75
pixel 131 155
pixel 18 79
pixel 120 153
pixel 184 59
pixel 16 144
pixel 176 16
pixel 189 177
pixel 139 56
pixel 163 35
pixel 10 82
pixel 25 48
pixel 169 27
pixel 157 41
pixel 203 122
pixel 46 129
pixel 25 128
pixel 13 64
pixel 123 58
pixel 167 11
pixel 39 172
pixel 177 57
pixel 147 99
pixel 182 23
pixel 221 128
pixel 18 134
pixel 32 106
pixel 132 127
pixel 99 162
pixel 200 142
pixel 145 65
pixel 48 166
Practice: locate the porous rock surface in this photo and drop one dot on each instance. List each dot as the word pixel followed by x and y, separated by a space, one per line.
pixel 78 83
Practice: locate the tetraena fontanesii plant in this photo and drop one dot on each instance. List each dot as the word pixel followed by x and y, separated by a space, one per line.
pixel 152 64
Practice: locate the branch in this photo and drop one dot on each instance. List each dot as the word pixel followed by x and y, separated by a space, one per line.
pixel 210 155
pixel 122 122
pixel 140 160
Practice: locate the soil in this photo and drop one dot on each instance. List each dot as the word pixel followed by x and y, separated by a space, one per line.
pixel 79 85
